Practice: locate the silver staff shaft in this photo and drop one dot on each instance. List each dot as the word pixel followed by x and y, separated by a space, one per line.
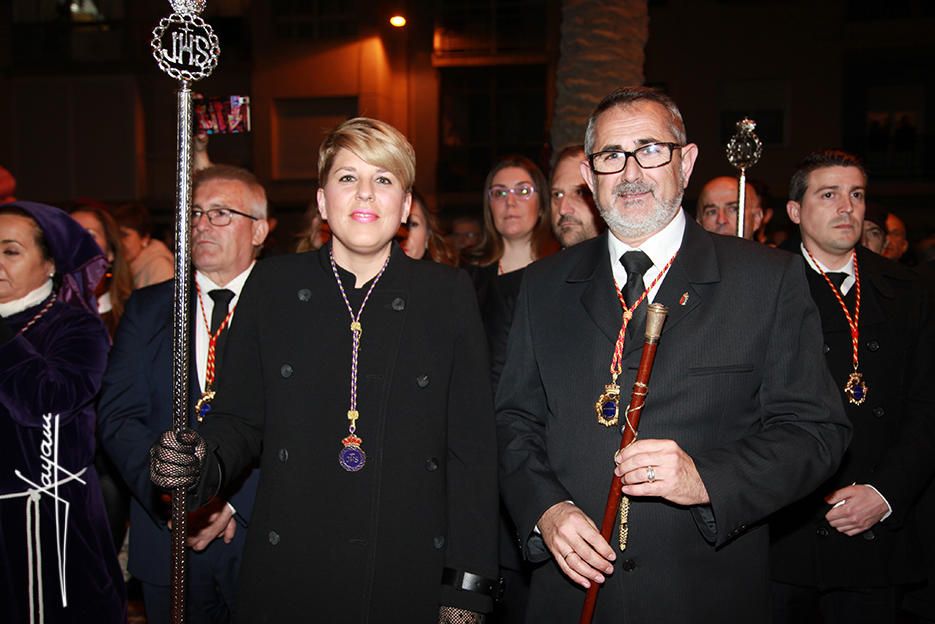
pixel 742 202
pixel 181 314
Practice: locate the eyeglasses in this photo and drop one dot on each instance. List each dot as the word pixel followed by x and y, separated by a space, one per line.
pixel 520 191
pixel 219 216
pixel 647 157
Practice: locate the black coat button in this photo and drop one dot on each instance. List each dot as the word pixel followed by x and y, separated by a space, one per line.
pixel 438 542
pixel 822 532
pixel 628 565
pixel 286 371
pixel 283 455
pixel 273 537
pixel 873 345
pixel 879 412
pixel 422 381
pixel 869 535
pixel 431 464
pixel 399 304
pixel 825 348
pixel 305 295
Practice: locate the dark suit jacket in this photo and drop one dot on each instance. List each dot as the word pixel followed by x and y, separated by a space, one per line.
pixel 369 545
pixel 739 383
pixel 135 407
pixel 893 447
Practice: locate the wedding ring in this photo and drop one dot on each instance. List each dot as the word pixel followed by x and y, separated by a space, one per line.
pixel 650 474
pixel 570 552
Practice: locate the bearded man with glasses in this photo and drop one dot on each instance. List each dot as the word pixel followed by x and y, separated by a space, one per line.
pixel 741 417
pixel 229 225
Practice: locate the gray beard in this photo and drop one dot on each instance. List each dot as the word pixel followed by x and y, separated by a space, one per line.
pixel 626 228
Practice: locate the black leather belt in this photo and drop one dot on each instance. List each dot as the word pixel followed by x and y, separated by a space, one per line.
pixel 468 581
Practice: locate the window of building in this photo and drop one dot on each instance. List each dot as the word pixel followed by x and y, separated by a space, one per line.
pixel 486 113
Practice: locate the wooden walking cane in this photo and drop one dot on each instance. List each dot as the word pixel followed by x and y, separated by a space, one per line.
pixel 186 48
pixel 655 317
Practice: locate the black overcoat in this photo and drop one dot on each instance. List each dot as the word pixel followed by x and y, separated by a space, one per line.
pixel 893 447
pixel 739 383
pixel 366 546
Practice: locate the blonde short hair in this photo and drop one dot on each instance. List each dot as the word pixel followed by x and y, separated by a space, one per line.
pixel 373 141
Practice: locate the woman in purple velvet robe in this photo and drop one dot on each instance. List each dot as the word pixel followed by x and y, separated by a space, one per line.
pixel 57 560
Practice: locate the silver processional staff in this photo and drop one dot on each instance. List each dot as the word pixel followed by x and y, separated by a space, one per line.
pixel 186 48
pixel 743 151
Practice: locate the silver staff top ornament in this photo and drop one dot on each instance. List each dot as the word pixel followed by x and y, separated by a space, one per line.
pixel 184 45
pixel 744 148
pixel 184 7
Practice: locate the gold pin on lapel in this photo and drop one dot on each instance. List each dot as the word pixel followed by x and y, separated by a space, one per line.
pixel 683 299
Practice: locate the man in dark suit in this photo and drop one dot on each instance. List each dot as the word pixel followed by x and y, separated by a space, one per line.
pixel 228 228
pixel 739 420
pixel 844 551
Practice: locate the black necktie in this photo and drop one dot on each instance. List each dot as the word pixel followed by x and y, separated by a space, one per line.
pixel 837 279
pixel 636 263
pixel 222 302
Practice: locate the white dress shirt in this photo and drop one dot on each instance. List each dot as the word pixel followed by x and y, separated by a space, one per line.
pixel 203 311
pixel 660 247
pixel 847 269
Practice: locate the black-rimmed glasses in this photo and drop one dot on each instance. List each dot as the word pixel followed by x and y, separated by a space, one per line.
pixel 219 216
pixel 647 157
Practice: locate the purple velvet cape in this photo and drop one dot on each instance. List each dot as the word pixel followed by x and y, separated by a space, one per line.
pixel 55 368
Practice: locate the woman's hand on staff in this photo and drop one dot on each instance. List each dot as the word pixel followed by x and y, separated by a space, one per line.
pixel 660 468
pixel 576 544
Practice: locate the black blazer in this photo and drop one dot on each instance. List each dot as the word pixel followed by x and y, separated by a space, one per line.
pixel 893 447
pixel 134 408
pixel 369 545
pixel 739 383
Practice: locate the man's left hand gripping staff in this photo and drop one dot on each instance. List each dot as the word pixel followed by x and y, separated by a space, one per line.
pixel 175 459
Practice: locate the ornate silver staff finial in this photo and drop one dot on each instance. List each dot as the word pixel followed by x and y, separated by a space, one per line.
pixel 185 7
pixel 743 151
pixel 744 148
pixel 184 45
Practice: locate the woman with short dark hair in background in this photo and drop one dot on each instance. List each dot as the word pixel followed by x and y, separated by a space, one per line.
pixel 57 560
pixel 421 236
pixel 150 260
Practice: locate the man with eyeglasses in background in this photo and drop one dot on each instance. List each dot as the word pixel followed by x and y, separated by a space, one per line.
pixel 739 421
pixel 574 215
pixel 229 226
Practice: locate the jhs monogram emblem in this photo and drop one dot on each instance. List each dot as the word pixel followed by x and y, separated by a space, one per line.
pixel 185 46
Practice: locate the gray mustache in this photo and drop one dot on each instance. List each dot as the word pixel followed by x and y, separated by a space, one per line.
pixel 628 188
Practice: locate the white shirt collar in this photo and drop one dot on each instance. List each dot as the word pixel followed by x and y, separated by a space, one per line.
pixel 206 308
pixel 660 247
pixel 235 285
pixel 847 269
pixel 32 298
